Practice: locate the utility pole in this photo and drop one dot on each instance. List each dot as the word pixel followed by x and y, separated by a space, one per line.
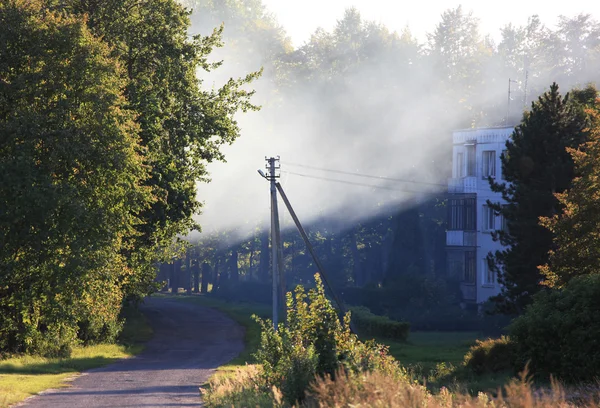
pixel 273 168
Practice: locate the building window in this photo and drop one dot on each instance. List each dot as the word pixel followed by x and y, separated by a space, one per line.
pixel 505 155
pixel 461 214
pixel 456 264
pixel 462 264
pixel 489 164
pixel 470 160
pixel 489 275
pixel 460 165
pixel 489 219
pixel 470 267
pixel 503 221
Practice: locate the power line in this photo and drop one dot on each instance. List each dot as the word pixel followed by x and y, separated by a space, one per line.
pixel 445 193
pixel 354 183
pixel 365 175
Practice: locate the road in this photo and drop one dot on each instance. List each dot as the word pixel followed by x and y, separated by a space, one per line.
pixel 189 342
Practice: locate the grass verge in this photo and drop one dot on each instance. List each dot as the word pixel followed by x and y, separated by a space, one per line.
pixel 24 376
pixel 436 358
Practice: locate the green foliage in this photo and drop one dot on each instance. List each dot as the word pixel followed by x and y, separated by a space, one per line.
pixel 315 343
pixel 105 132
pixel 369 324
pixel 71 187
pixel 491 356
pixel 536 166
pixel 559 332
pixel 576 249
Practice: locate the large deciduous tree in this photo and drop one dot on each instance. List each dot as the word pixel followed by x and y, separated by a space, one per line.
pixel 182 126
pixel 71 181
pixel 536 166
pixel 105 131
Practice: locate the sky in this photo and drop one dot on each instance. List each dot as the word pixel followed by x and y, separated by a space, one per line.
pixel 301 18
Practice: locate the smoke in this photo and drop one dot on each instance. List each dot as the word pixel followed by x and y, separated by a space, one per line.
pixel 388 114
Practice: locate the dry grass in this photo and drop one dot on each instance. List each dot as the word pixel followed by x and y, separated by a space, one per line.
pixel 377 390
pixel 243 389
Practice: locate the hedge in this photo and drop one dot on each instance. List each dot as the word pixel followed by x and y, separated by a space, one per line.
pixel 369 324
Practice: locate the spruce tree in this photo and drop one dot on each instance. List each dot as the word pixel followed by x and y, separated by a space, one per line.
pixel 535 166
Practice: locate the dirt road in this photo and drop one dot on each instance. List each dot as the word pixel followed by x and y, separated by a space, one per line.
pixel 189 342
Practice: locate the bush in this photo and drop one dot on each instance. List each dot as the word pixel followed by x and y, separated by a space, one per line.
pixel 560 331
pixel 369 324
pixel 314 343
pixel 491 356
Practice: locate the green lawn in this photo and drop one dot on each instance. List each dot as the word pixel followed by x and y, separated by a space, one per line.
pixel 425 350
pixel 24 376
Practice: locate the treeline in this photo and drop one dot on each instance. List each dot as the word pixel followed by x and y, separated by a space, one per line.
pixel 104 129
pixel 365 83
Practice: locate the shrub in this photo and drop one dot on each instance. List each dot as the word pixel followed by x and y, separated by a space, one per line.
pixel 559 333
pixel 314 343
pixel 369 324
pixel 491 356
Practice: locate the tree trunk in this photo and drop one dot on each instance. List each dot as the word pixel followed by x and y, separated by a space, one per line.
pixel 188 273
pixel 196 272
pixel 206 274
pixel 234 273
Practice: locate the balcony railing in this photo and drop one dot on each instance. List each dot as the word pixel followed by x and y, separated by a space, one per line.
pixel 462 185
pixel 461 238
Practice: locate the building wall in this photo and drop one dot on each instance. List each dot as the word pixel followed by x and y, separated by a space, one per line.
pixel 468 180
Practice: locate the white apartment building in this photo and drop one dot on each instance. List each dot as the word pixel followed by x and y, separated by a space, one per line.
pixel 475 156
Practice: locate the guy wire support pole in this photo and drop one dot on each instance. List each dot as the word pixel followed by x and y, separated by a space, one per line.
pixel 273 167
pixel 337 300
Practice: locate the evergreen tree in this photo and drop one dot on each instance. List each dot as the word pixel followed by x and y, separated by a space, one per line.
pixel 576 244
pixel 536 166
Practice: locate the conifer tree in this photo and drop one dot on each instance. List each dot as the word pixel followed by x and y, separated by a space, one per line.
pixel 576 243
pixel 536 166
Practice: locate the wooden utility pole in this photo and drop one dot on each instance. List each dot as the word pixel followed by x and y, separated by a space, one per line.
pixel 273 168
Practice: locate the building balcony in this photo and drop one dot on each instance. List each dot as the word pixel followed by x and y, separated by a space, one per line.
pixel 461 238
pixel 462 185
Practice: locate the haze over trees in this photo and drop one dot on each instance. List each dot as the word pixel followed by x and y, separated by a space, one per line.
pixel 370 101
pixel 106 129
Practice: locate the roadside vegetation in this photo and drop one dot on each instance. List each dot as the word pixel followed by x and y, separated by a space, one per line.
pixel 291 367
pixel 23 376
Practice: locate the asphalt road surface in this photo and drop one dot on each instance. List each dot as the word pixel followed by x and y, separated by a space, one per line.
pixel 189 342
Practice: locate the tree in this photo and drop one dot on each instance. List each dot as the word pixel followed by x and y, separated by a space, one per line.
pixel 72 182
pixel 536 166
pixel 181 126
pixel 576 230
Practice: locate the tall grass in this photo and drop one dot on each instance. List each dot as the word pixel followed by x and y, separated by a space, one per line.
pixel 381 391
